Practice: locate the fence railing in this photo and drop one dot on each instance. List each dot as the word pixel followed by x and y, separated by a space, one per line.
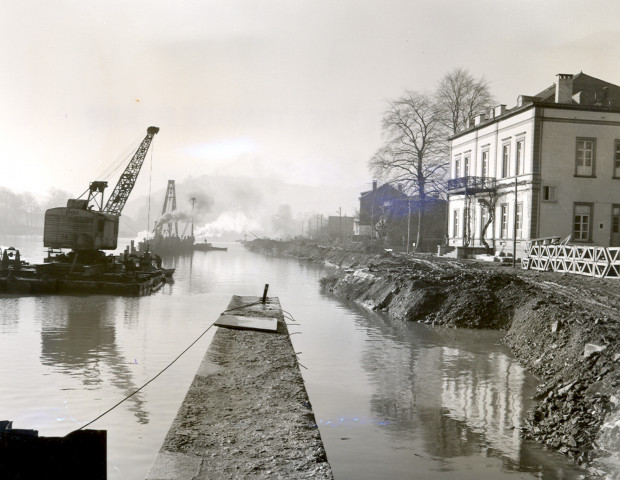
pixel 592 261
pixel 472 183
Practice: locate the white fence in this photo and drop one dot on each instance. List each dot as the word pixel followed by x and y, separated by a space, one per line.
pixel 592 261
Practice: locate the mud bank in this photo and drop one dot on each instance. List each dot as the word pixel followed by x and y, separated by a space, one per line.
pixel 562 327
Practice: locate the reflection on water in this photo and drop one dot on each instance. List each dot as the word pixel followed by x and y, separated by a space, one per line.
pixel 392 400
pixel 79 338
pixel 485 392
pixel 450 401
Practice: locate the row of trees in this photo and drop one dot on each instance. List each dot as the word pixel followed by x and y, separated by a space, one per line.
pixel 416 127
pixel 23 212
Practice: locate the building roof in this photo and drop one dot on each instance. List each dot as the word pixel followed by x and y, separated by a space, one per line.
pixel 592 92
pixel 587 93
pixel 383 189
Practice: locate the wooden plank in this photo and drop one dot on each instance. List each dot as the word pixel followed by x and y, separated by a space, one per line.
pixel 268 324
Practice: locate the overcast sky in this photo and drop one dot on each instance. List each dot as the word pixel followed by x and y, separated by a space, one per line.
pixel 292 89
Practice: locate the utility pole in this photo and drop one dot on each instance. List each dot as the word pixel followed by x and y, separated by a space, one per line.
pixel 340 222
pixel 408 221
pixel 193 200
pixel 317 227
pixel 372 220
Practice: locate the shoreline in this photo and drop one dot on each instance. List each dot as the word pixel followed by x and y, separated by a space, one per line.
pixel 562 327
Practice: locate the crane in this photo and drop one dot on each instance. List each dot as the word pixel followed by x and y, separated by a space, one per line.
pixel 125 184
pixel 80 226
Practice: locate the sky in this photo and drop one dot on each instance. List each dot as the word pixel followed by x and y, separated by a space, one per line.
pixel 291 90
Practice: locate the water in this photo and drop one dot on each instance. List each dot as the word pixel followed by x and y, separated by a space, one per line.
pixel 391 400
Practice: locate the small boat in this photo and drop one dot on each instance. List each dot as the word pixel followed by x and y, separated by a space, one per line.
pixel 207 247
pixel 168 272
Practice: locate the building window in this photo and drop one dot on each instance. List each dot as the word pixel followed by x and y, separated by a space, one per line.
pixel 466 166
pixel 457 167
pixel 503 233
pixel 519 220
pixel 455 223
pixel 519 157
pixel 505 160
pixel 548 193
pixel 485 164
pixel 584 163
pixel 582 221
pixel 617 160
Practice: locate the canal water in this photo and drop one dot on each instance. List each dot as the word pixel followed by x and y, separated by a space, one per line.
pixel 392 400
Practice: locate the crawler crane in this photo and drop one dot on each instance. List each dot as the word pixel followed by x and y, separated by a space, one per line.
pixel 86 226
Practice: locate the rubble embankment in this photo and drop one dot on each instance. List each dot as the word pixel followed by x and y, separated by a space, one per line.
pixel 562 327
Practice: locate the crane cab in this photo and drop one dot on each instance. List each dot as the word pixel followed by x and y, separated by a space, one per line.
pixel 80 228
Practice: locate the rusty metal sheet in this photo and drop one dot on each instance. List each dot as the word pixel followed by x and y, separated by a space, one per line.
pixel 267 324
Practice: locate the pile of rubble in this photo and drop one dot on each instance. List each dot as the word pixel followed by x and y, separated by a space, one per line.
pixel 563 328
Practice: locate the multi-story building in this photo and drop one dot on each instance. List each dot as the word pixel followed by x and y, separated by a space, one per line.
pixel 549 167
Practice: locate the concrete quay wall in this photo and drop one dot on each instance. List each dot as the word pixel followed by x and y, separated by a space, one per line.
pixel 247 413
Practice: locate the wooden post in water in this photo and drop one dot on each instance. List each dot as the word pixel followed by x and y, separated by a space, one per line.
pixel 265 293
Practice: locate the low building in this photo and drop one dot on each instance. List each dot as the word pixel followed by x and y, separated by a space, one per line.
pixel 340 228
pixel 389 216
pixel 549 167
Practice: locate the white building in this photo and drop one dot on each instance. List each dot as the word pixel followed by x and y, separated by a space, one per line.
pixel 549 167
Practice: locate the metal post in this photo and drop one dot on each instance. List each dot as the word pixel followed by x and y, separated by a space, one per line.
pixel 514 228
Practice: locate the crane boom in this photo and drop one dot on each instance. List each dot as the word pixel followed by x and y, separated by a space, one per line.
pixel 118 198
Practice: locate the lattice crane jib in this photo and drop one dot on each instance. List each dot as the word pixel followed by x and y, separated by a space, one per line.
pixel 170 206
pixel 126 182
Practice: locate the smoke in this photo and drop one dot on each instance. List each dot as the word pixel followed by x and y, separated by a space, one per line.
pixel 226 224
pixel 170 217
pixel 203 203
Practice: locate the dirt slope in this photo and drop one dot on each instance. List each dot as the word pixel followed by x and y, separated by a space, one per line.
pixel 562 327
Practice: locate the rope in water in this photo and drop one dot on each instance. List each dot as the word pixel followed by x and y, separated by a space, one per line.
pixel 169 365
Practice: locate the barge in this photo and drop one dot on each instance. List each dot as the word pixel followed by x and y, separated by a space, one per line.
pixel 129 274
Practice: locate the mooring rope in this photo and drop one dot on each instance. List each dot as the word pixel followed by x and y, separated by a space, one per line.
pixel 153 378
pixel 295 354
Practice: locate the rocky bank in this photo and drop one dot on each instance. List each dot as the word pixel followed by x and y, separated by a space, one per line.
pixel 562 327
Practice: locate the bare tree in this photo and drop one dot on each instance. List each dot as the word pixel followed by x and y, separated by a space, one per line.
pixel 460 97
pixel 414 149
pixel 489 206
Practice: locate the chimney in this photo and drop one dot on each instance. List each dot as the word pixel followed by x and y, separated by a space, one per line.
pixel 499 110
pixel 374 185
pixel 564 88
